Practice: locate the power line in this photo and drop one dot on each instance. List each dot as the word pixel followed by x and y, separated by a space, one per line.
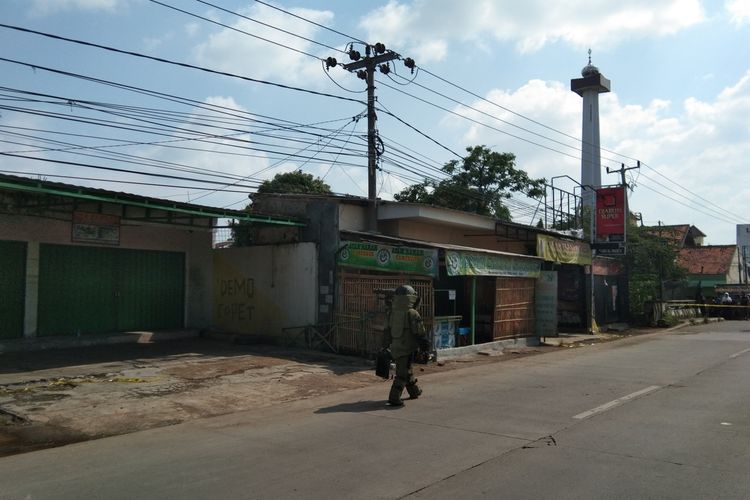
pixel 114 181
pixel 520 115
pixel 722 219
pixel 267 25
pixel 311 22
pixel 339 97
pixel 418 131
pixel 474 94
pixel 481 123
pixel 354 120
pixel 177 63
pixel 243 31
pixel 685 189
pixel 455 101
pixel 111 169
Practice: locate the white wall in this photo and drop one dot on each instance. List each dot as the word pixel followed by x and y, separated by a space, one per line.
pixel 260 290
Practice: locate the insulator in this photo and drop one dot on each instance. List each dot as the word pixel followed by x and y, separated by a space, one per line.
pixel 379 48
pixel 362 74
pixel 330 62
pixel 409 63
pixel 385 68
pixel 354 55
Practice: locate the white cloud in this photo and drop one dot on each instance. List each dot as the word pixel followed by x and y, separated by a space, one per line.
pixel 550 103
pixel 192 29
pixel 739 10
pixel 530 25
pixel 703 145
pixel 46 7
pixel 236 52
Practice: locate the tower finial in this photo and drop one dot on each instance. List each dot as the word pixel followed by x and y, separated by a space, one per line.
pixel 589 55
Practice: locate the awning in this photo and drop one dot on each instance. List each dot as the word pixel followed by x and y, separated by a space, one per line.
pixel 464 261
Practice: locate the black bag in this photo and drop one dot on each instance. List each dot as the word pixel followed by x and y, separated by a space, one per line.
pixel 383 364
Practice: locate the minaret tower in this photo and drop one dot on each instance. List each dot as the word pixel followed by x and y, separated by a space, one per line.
pixel 589 87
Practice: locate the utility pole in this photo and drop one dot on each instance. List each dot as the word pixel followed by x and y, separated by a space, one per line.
pixel 622 171
pixel 624 184
pixel 376 56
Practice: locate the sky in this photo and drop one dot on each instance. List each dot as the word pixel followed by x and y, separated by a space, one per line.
pixel 202 100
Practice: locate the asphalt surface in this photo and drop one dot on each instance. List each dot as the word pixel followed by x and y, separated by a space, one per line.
pixel 653 416
pixel 55 397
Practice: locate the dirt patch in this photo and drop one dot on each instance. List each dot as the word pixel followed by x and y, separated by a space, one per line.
pixel 61 403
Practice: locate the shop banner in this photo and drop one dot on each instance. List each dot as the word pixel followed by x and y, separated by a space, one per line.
pixel 90 227
pixel 485 264
pixel 563 251
pixel 610 214
pixel 423 261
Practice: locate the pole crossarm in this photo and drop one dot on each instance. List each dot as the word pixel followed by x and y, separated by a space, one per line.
pixel 371 62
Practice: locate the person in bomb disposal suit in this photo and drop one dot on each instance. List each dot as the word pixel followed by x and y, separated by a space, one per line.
pixel 405 335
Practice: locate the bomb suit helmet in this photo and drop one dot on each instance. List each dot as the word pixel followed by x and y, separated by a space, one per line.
pixel 408 291
pixel 405 290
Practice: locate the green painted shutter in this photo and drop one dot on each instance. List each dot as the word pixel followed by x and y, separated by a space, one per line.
pixel 151 289
pixel 76 290
pixel 101 290
pixel 12 288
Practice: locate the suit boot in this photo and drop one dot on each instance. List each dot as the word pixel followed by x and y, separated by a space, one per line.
pixel 413 390
pixel 394 397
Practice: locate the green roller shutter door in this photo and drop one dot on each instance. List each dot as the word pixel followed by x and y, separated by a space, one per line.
pixel 85 290
pixel 151 290
pixel 76 290
pixel 12 288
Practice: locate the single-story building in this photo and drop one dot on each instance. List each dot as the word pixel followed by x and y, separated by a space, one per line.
pixel 84 261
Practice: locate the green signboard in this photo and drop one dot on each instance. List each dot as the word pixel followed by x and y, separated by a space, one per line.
pixel 389 258
pixel 486 264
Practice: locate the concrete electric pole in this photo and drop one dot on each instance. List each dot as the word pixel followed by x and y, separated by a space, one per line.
pixel 375 56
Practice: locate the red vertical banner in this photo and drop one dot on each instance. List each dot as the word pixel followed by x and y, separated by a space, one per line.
pixel 611 211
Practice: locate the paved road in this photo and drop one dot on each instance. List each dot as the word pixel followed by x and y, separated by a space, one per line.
pixel 660 416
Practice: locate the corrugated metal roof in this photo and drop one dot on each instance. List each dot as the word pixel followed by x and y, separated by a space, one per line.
pixel 18 183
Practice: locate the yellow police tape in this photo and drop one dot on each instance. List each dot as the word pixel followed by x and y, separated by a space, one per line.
pixel 718 305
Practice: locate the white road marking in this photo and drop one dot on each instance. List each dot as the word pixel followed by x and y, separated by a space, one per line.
pixel 737 354
pixel 616 402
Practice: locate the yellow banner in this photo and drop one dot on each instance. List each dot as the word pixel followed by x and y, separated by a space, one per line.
pixel 562 251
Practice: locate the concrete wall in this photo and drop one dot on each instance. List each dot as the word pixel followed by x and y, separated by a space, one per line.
pixel 260 290
pixel 352 217
pixel 194 242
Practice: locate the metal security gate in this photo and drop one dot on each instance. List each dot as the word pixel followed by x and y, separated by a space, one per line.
pixel 85 290
pixel 12 288
pixel 514 308
pixel 358 311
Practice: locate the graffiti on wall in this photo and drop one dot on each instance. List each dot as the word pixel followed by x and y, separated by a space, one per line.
pixel 236 299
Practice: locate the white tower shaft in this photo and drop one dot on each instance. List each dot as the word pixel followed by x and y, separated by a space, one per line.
pixel 589 87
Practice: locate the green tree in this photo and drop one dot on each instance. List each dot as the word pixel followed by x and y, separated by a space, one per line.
pixel 294 182
pixel 478 183
pixel 289 182
pixel 651 261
